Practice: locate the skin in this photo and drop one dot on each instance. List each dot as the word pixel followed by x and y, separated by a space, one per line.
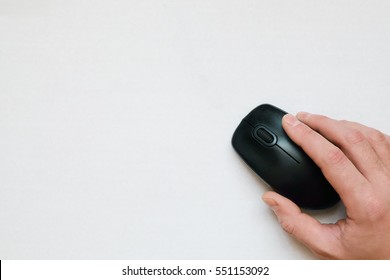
pixel 355 159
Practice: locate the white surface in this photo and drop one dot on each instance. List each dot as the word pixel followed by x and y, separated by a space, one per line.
pixel 116 119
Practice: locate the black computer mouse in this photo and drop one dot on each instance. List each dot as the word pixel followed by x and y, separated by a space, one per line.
pixel 263 144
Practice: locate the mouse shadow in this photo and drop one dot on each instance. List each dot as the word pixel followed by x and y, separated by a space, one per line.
pixel 329 215
pixel 336 210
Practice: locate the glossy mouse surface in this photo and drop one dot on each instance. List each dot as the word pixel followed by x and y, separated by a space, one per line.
pixel 262 143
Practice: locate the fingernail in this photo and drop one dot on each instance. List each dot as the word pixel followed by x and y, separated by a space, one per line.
pixel 291 120
pixel 270 202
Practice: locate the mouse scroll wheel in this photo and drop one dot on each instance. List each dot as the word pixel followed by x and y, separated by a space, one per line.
pixel 265 136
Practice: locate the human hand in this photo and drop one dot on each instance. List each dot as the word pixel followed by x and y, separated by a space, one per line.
pixel 355 159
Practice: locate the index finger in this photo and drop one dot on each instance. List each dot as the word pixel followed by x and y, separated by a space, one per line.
pixel 334 164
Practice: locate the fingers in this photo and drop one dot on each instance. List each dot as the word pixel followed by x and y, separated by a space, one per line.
pixel 379 141
pixel 350 139
pixel 336 167
pixel 321 239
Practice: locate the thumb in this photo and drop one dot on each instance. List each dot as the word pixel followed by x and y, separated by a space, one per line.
pixel 321 239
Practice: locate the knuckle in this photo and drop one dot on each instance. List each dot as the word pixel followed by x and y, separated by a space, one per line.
pixel 307 132
pixel 288 227
pixel 355 136
pixel 377 136
pixel 375 208
pixel 335 157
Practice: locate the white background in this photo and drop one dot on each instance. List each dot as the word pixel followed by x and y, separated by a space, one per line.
pixel 116 119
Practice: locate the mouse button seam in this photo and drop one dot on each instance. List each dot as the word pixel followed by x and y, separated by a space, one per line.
pixel 288 154
pixel 244 120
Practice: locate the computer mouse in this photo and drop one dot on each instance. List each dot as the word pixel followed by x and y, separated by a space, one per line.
pixel 263 144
